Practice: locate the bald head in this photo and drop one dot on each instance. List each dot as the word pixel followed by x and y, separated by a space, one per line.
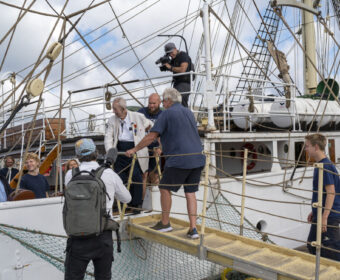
pixel 154 103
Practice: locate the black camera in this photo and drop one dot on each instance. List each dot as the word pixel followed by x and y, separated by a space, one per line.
pixel 164 59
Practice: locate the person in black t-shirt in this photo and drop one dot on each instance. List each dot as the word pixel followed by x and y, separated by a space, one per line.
pixel 180 63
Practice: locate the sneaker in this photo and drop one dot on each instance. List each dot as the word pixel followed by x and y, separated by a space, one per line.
pixel 162 228
pixel 193 234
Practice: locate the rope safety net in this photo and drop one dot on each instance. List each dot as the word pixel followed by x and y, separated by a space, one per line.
pixel 140 259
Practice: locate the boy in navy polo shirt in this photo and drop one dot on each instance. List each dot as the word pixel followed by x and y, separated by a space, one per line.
pixel 34 181
pixel 315 146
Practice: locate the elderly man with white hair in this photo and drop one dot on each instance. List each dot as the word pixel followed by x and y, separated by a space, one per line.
pixel 181 143
pixel 124 130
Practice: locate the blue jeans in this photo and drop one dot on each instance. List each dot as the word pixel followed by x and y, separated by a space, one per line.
pixel 330 239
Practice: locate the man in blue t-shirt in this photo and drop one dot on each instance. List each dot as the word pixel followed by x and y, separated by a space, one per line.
pixel 32 180
pixel 182 146
pixel 152 113
pixel 315 147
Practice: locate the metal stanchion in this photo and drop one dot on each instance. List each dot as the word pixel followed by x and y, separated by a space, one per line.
pixel 245 157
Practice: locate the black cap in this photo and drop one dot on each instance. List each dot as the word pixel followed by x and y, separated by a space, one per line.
pixel 169 47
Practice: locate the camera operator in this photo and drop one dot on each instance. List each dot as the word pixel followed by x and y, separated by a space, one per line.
pixel 180 63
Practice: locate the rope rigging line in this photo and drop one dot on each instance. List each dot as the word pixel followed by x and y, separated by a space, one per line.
pixel 100 36
pixel 185 21
pixel 10 39
pixel 119 50
pixel 40 97
pixel 152 51
pixel 135 53
pixel 16 23
pixel 88 33
pixel 59 147
pixel 99 63
pixel 27 9
pixel 39 61
pixel 102 63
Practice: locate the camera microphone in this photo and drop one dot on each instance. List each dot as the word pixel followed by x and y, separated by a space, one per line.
pixel 111 156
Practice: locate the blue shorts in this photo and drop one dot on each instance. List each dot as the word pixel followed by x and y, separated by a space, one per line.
pixel 178 176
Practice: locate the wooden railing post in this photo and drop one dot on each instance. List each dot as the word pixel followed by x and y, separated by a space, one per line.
pixel 245 157
pixel 158 165
pixel 205 195
pixel 128 185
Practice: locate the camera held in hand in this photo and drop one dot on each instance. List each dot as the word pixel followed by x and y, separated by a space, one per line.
pixel 163 60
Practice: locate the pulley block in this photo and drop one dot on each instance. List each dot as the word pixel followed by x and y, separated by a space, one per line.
pixel 54 50
pixel 35 87
pixel 108 96
pixel 108 106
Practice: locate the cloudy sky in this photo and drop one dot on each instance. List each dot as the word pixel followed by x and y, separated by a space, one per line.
pixel 140 21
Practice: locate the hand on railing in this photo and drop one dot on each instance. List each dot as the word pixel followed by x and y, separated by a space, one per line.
pixel 131 152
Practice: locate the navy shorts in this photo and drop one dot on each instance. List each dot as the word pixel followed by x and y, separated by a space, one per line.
pixel 178 176
pixel 152 161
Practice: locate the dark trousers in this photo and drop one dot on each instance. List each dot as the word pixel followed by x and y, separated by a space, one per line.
pixel 123 162
pixel 330 239
pixel 79 252
pixel 183 87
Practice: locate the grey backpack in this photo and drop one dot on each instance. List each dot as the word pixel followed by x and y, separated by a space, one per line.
pixel 84 212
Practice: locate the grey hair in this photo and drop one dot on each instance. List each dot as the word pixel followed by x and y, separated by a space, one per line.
pixel 121 102
pixel 173 95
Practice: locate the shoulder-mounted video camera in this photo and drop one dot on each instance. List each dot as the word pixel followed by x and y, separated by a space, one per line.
pixel 162 60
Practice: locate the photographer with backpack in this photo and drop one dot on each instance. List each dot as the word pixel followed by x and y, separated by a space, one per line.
pixel 89 196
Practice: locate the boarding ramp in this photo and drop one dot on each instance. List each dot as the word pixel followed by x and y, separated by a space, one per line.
pixel 243 254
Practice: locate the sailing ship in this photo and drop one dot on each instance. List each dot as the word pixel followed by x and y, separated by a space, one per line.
pixel 256 96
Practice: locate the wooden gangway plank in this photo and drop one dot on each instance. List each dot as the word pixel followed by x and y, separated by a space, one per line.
pixel 243 254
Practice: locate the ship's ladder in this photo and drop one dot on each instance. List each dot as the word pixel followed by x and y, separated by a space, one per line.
pixel 243 254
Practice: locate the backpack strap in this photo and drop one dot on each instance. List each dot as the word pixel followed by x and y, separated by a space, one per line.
pixel 99 171
pixel 75 170
pixel 98 174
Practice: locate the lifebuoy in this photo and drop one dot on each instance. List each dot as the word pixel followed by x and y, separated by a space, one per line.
pixel 253 155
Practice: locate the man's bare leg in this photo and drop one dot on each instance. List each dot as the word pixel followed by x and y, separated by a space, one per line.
pixel 145 178
pixel 192 208
pixel 166 205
